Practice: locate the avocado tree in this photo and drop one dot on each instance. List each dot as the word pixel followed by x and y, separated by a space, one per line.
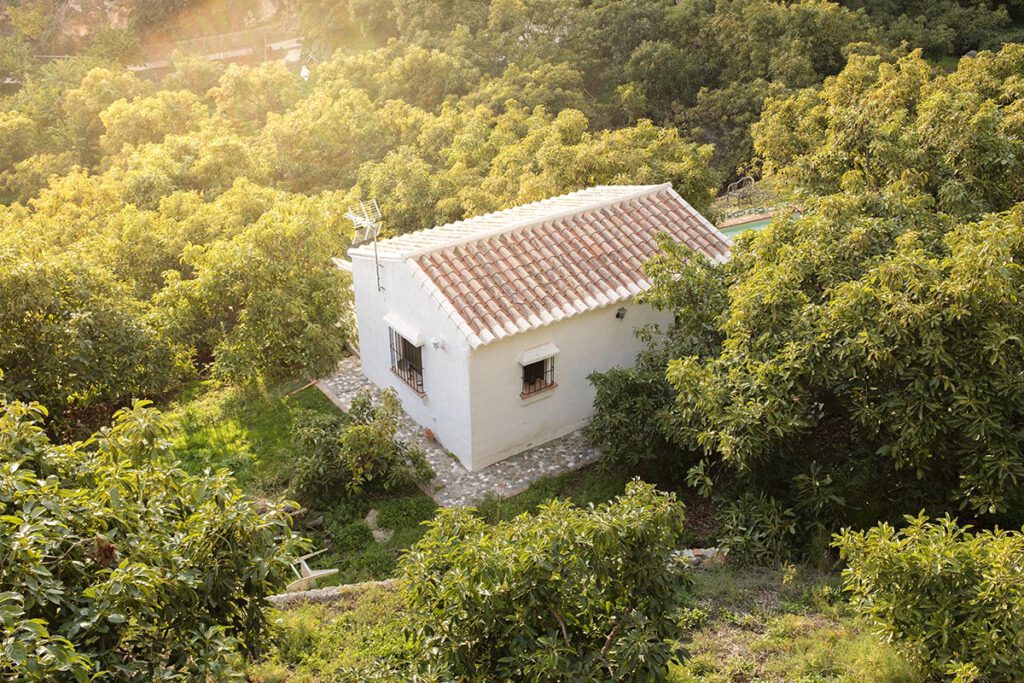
pixel 566 594
pixel 115 561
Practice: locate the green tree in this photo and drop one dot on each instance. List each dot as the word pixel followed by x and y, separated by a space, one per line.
pixel 17 133
pixel 426 78
pixel 852 341
pixel 15 57
pixel 149 119
pixel 566 594
pixel 97 90
pixel 194 73
pixel 876 123
pixel 267 303
pixel 552 86
pixel 723 117
pixel 560 155
pixel 665 74
pixel 940 27
pixel 118 562
pixel 245 95
pixel 75 340
pixel 320 143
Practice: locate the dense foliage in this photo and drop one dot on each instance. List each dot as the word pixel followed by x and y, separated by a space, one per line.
pixel 206 206
pixel 115 561
pixel 868 359
pixel 857 348
pixel 947 596
pixel 76 340
pixel 566 594
pixel 958 136
pixel 356 450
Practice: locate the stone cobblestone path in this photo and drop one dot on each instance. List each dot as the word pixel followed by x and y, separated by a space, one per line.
pixel 455 485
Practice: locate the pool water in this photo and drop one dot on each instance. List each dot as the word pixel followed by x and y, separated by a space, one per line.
pixel 734 230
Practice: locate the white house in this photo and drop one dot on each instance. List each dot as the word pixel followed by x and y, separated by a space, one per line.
pixel 488 327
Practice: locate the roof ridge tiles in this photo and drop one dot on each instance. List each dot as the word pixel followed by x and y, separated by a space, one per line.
pixel 553 259
pixel 450 235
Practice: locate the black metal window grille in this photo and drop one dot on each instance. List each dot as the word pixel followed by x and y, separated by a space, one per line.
pixel 538 376
pixel 407 361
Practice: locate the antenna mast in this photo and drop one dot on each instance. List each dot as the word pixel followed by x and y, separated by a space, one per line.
pixel 366 221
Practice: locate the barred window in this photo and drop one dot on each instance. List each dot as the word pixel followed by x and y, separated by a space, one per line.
pixel 407 361
pixel 538 376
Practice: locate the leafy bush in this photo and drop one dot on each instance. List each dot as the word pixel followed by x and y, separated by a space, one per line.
pixel 568 594
pixel 116 561
pixel 403 512
pixel 267 303
pixel 358 451
pixel 76 341
pixel 632 406
pixel 628 405
pixel 756 529
pixel 950 598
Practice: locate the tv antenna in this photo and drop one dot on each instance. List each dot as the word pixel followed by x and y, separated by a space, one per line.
pixel 366 221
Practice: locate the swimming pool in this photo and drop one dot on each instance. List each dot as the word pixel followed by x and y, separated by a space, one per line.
pixel 737 228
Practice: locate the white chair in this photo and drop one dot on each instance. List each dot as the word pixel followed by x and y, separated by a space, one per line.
pixel 307 577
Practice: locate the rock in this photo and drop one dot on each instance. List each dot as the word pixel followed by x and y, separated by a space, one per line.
pixel 702 557
pixel 380 535
pixel 331 595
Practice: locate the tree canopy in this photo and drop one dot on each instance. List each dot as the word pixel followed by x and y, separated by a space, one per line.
pixel 861 356
pixel 117 562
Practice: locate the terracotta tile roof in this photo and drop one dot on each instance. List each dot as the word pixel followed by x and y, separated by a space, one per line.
pixel 516 270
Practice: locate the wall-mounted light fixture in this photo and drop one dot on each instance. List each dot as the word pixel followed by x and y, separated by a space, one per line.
pixel 621 313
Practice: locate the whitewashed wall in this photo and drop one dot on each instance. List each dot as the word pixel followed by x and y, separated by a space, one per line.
pixel 505 424
pixel 445 408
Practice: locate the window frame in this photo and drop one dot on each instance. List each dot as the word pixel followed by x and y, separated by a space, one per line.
pixel 406 361
pixel 533 386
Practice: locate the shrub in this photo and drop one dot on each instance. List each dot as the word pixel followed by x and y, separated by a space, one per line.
pixel 116 561
pixel 400 513
pixel 948 597
pixel 567 594
pixel 362 450
pixel 76 341
pixel 627 406
pixel 757 530
pixel 350 536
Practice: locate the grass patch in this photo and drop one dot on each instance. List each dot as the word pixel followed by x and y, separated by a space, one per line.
pixel 316 642
pixel 249 431
pixel 781 625
pixel 353 551
pixel 592 484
